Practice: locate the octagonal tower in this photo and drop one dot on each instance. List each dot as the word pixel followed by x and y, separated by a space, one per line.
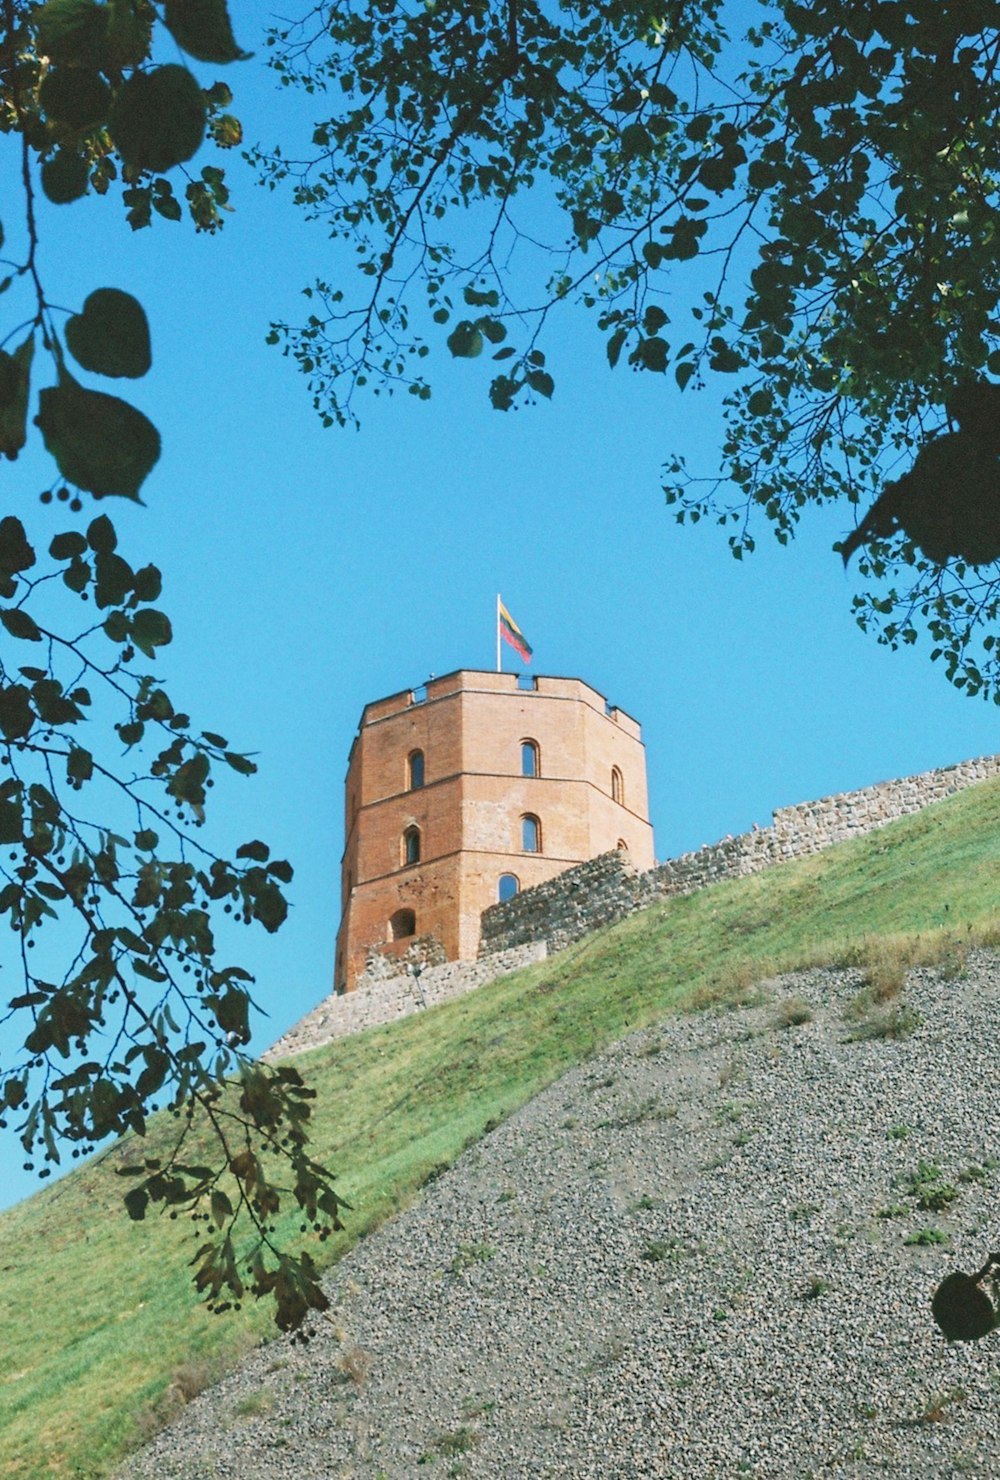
pixel 470 789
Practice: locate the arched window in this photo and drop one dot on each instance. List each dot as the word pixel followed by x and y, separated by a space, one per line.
pixel 402 924
pixel 411 845
pixel 529 758
pixel 617 786
pixel 508 886
pixel 531 834
pixel 621 845
pixel 415 770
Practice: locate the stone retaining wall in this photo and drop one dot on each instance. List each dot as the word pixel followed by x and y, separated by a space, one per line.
pixel 383 996
pixel 608 888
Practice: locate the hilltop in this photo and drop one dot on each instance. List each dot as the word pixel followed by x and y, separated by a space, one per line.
pixel 100 1338
pixel 707 1252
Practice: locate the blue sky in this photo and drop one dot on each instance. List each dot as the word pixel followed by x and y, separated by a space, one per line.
pixel 308 571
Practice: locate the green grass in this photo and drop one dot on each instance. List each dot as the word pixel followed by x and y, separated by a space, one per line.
pixel 100 1335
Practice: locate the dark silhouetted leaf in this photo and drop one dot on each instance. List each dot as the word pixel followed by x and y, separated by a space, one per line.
pixel 150 630
pixel 65 176
pixel 158 118
pixel 101 443
pixel 15 378
pixel 465 341
pixel 20 624
pixel 203 29
pixel 65 546
pixel 257 851
pixel 76 96
pixel 73 32
pixel 16 714
pixel 111 335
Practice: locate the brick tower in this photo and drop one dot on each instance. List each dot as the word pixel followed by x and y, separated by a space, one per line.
pixel 470 789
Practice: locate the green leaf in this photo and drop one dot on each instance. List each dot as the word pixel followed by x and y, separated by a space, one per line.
pixel 257 851
pixel 65 177
pixel 684 372
pixel 242 764
pixel 636 142
pixel 158 118
pixel 542 382
pixel 652 354
pixel 146 840
pixel 101 536
pixel 101 443
pixel 112 579
pixel 76 96
pixel 465 341
pixel 203 29
pixel 15 379
pixel 481 298
pixel 73 32
pixel 270 907
pixel 148 583
pixel 111 335
pixel 79 765
pixel 495 332
pixel 16 714
pixel 19 624
pixel 614 346
pixel 150 629
pixel 65 546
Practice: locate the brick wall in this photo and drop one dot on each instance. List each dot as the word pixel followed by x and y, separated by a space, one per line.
pixel 608 888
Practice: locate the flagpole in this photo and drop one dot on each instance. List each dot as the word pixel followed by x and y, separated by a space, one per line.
pixel 498 631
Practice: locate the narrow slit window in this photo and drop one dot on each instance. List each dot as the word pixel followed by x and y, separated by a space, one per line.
pixel 530 758
pixel 617 786
pixel 411 845
pixel 415 770
pixel 531 834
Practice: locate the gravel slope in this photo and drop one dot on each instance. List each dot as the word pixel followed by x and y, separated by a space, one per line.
pixel 675 1262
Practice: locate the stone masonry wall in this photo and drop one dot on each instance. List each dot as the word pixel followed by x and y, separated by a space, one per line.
pixel 608 888
pixel 383 995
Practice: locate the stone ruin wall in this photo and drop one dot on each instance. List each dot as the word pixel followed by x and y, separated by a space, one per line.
pixel 608 888
pixel 385 993
pixel 600 891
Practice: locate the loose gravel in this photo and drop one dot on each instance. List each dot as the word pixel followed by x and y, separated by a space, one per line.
pixel 692 1256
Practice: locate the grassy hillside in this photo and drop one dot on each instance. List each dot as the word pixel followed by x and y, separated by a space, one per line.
pixel 100 1336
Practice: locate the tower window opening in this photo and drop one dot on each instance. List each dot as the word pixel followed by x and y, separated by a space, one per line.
pixel 530 759
pixel 508 886
pixel 617 786
pixel 527 681
pixel 531 834
pixel 415 770
pixel 402 924
pixel 411 845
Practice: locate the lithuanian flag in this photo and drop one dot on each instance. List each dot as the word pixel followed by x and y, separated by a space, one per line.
pixel 511 632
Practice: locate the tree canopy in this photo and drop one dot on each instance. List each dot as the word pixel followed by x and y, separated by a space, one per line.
pixel 799 198
pixel 113 901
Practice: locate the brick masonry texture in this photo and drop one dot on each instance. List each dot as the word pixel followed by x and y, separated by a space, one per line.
pixel 385 993
pixel 610 887
pixel 587 793
pixel 553 914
